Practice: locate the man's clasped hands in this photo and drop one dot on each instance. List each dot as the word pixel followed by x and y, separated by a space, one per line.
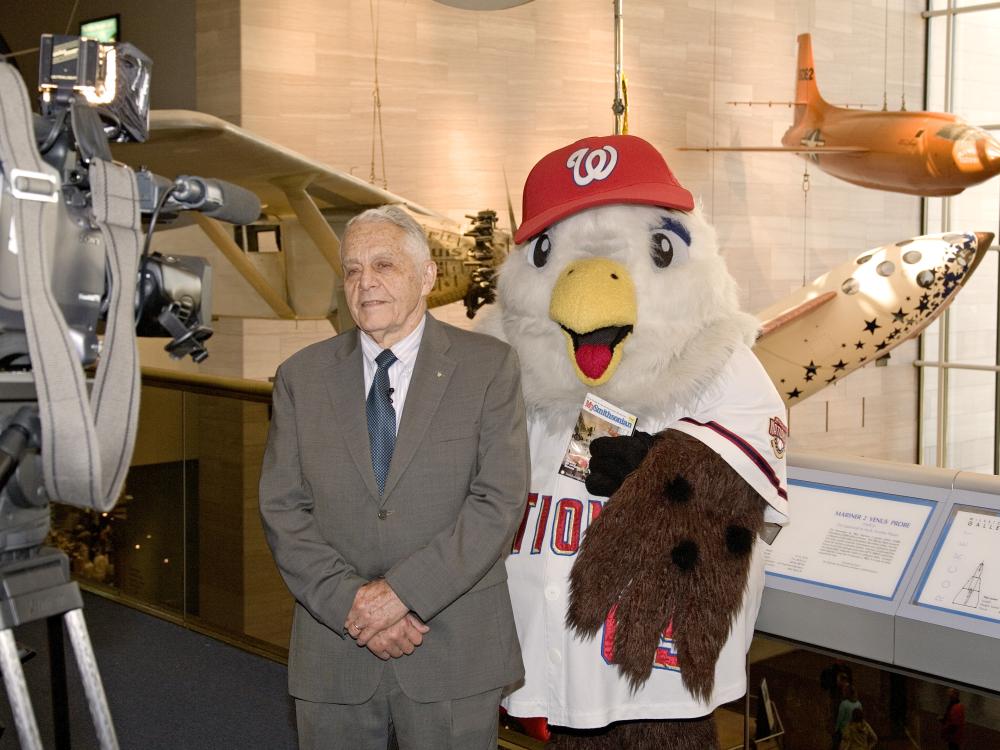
pixel 381 621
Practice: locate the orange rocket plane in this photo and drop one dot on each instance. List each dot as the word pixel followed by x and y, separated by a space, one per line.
pixel 918 153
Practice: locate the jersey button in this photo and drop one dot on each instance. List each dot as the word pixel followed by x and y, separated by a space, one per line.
pixel 383 514
pixel 554 656
pixel 551 593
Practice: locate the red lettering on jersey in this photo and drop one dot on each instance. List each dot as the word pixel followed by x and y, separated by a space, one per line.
pixel 608 636
pixel 541 523
pixel 666 653
pixel 515 548
pixel 566 534
pixel 665 656
pixel 594 507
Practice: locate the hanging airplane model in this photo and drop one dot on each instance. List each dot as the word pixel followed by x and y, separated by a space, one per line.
pixel 846 318
pixel 918 153
pixel 294 189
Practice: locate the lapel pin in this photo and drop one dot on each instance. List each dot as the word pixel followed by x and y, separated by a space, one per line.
pixel 439 373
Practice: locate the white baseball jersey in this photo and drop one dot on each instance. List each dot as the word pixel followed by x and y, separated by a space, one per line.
pixel 570 680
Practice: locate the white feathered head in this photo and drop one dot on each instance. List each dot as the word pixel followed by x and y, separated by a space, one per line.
pixel 616 287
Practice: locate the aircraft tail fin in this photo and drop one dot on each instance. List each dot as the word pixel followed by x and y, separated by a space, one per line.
pixel 808 102
pixel 510 205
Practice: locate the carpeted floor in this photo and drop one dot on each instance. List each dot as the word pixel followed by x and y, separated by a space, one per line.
pixel 168 688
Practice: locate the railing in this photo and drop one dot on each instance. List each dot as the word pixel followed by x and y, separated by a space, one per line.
pixel 185 539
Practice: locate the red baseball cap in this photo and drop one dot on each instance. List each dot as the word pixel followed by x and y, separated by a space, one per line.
pixel 596 172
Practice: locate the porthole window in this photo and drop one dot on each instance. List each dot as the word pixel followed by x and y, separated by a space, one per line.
pixel 911 256
pixel 851 286
pixel 885 268
pixel 925 279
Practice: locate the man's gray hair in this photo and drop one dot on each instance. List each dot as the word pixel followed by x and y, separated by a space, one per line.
pixel 416 238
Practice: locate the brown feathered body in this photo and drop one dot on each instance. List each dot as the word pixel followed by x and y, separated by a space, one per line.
pixel 699 519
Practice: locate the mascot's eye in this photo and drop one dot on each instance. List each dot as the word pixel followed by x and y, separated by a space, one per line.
pixel 540 251
pixel 662 250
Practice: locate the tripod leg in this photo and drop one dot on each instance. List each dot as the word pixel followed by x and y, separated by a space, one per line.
pixel 57 682
pixel 17 693
pixel 87 664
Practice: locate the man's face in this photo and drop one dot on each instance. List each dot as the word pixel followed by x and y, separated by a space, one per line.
pixel 386 288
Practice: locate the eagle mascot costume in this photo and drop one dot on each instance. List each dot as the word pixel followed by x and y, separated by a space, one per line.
pixel 635 592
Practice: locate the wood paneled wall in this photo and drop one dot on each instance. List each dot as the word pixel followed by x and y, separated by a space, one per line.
pixel 469 97
pixel 218 49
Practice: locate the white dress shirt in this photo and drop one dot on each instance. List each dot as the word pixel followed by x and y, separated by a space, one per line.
pixel 400 371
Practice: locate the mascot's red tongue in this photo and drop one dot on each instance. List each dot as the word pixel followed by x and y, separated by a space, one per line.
pixel 593 359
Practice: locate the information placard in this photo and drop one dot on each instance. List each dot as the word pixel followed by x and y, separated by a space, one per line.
pixel 963 573
pixel 848 539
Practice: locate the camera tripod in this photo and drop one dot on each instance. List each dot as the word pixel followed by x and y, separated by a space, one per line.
pixel 31 589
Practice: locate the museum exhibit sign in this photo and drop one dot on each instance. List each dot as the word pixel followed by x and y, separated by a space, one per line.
pixel 892 563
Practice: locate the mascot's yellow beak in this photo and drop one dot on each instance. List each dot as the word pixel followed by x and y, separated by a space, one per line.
pixel 594 303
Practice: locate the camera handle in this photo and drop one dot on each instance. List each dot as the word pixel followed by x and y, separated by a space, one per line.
pixel 23 431
pixel 87 439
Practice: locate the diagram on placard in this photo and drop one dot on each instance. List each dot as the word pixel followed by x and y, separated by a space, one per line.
pixel 968 595
pixel 961 574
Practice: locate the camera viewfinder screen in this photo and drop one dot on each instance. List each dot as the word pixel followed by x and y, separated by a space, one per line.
pixel 107 29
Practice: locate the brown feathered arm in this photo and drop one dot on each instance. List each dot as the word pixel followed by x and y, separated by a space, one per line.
pixel 672 545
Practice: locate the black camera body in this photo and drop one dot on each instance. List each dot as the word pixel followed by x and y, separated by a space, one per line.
pixel 93 93
pixel 70 261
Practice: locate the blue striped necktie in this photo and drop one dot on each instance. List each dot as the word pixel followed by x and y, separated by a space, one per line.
pixel 381 418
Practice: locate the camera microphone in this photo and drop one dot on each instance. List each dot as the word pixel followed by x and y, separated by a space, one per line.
pixel 216 198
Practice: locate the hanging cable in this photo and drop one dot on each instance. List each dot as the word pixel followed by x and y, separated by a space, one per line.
pixel 618 105
pixel 805 222
pixel 902 97
pixel 885 61
pixel 69 23
pixel 377 133
pixel 711 101
pixel 72 15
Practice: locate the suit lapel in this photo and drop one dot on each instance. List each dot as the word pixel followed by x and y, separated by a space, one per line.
pixel 431 373
pixel 345 384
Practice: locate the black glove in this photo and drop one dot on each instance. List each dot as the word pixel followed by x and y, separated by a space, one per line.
pixel 614 458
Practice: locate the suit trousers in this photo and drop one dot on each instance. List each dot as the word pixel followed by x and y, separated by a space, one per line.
pixel 468 723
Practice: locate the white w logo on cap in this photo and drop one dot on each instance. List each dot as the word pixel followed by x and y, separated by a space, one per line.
pixel 598 165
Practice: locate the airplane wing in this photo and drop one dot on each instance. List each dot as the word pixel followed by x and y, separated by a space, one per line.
pixel 794 313
pixel 186 142
pixel 294 188
pixel 790 104
pixel 783 149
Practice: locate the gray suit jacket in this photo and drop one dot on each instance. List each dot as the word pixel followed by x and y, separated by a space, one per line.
pixel 453 498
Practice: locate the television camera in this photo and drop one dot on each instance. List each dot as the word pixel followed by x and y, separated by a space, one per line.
pixel 91 93
pixel 75 263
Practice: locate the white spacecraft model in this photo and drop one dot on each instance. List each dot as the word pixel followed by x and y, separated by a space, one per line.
pixel 862 309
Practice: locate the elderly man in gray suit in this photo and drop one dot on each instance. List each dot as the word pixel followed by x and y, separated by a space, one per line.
pixel 394 477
